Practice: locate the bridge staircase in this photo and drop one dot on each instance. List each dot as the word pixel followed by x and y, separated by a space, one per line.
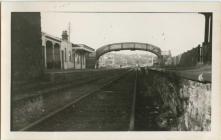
pixel 91 60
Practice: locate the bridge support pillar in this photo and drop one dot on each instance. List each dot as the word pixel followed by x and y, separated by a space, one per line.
pixel 45 57
pixel 97 64
pixel 206 49
pixel 160 60
pixel 208 28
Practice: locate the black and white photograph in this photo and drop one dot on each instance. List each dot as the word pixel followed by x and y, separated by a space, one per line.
pixel 120 68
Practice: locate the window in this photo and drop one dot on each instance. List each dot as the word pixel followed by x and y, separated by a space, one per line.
pixel 76 56
pixel 83 59
pixel 73 56
pixel 69 55
pixel 78 59
pixel 65 54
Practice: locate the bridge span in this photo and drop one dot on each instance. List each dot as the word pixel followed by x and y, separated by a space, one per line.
pixel 128 46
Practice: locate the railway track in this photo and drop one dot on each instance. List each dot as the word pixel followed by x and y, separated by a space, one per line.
pixel 133 101
pixel 110 108
pixel 28 108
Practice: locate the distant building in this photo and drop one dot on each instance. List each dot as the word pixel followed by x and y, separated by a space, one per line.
pixel 155 61
pixel 60 53
pixel 167 58
pixel 107 61
pixel 115 60
pixel 124 62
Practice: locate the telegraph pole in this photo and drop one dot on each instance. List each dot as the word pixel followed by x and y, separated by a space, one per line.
pixel 69 31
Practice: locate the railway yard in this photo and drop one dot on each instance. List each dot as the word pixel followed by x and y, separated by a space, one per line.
pixel 135 99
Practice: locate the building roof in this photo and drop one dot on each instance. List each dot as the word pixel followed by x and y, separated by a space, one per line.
pixel 74 46
pixel 82 47
pixel 51 37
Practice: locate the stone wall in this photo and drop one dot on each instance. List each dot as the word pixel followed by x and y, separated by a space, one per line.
pixel 185 105
pixel 197 107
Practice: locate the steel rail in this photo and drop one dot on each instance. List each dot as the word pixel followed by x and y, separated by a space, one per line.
pixel 132 115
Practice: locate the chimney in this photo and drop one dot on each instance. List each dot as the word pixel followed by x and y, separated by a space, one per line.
pixel 64 35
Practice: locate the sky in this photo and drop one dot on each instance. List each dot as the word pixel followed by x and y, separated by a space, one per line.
pixel 177 32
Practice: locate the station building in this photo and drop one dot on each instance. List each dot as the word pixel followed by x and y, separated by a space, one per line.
pixel 60 53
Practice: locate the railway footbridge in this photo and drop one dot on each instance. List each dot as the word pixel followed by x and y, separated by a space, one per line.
pixel 126 46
